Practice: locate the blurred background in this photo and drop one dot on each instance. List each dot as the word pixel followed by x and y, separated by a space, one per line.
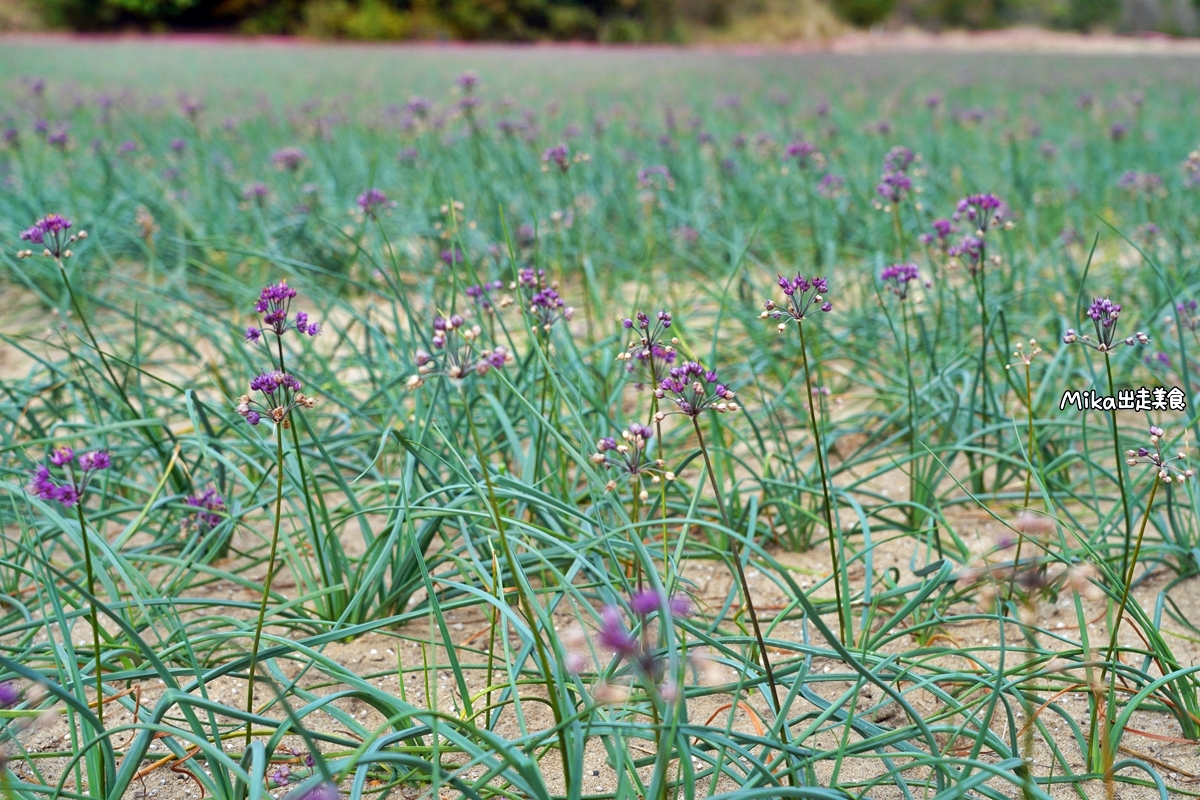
pixel 611 21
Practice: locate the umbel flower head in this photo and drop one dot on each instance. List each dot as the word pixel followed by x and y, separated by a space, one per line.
pixel 613 634
pixel 629 457
pixel 540 299
pixel 77 473
pixel 559 155
pixel 274 303
pixel 898 277
pixel 804 296
pixel 51 231
pixel 483 295
pixel 983 210
pixel 457 352
pixel 1103 313
pixel 280 396
pixel 1168 470
pixel 372 201
pixel 694 390
pixel 652 352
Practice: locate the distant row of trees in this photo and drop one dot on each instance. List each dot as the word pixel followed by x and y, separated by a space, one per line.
pixel 593 20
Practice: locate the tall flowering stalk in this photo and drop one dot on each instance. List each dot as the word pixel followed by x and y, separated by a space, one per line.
pixel 1167 469
pixel 53 234
pixel 899 279
pixel 694 390
pixel 649 356
pixel 806 297
pixel 277 394
pixel 983 212
pixel 1104 315
pixel 68 490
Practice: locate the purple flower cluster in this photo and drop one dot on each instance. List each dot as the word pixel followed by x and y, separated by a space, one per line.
pixel 969 251
pixel 457 352
pixel 281 395
pixel 558 155
pixel 274 303
pixel 1187 315
pixel 209 509
pixel 629 457
pixel 652 353
pixel 288 158
pixel 695 390
pixel 804 296
pixel 942 228
pixel 371 201
pixel 898 277
pixel 804 153
pixel 1104 314
pixel 983 210
pixel 78 472
pixel 322 791
pixel 547 307
pixel 615 636
pixel 831 185
pixel 51 232
pixel 481 294
pixel 895 184
pixel 1168 470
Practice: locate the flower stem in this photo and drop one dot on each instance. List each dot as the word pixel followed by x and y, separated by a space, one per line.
pixel 1112 392
pixel 843 629
pixel 262 606
pixel 95 622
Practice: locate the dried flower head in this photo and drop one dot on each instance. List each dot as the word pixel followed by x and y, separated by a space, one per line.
pixel 630 458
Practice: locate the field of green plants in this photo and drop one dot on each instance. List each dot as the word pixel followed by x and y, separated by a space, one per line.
pixel 577 423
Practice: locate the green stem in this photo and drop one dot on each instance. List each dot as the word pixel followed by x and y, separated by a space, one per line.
pixel 262 606
pixel 1112 392
pixel 95 622
pixel 843 630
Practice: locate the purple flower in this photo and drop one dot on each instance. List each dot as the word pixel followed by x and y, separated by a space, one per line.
pixel 10 695
pixel 804 296
pixel 281 395
pixel 322 791
pixel 695 390
pixel 1142 183
pixel 970 252
pixel 652 353
pixel 51 232
pixel 981 209
pixel 830 185
pixel 467 81
pixel 288 158
pixel 178 145
pixel 1168 470
pixel 630 458
pixel 458 353
pixel 559 156
pixel 78 474
pixel 209 507
pixel 646 601
pixel 614 635
pixel 274 303
pixel 371 200
pixel 257 191
pixel 893 186
pixel 481 294
pixel 655 178
pixel 127 146
pixel 898 159
pixel 1104 314
pixel 898 276
pixel 803 152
